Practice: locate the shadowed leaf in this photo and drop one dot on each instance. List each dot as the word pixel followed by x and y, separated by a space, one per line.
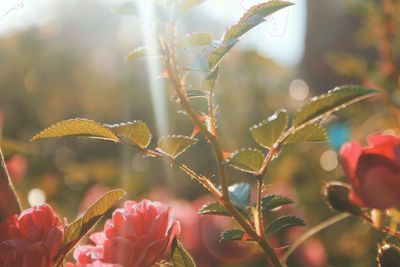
pixel 230 235
pixel 270 202
pixel 283 223
pixel 249 160
pixel 175 145
pixel 214 208
pixel 209 82
pixel 267 132
pixel 179 255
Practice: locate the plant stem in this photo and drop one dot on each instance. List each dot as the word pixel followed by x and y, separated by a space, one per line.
pixel 314 230
pixel 384 228
pixel 9 204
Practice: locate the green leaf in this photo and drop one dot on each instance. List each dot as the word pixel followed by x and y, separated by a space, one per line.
pixel 133 133
pixel 127 8
pixel 283 223
pixel 192 93
pixel 77 127
pixel 78 228
pixel 332 101
pixel 267 132
pixel 240 194
pixel 311 132
pixel 209 82
pixel 179 255
pixel 186 5
pixel 141 52
pixel 250 160
pixel 231 235
pixel 197 39
pixel 254 16
pixel 214 208
pixel 270 202
pixel 175 145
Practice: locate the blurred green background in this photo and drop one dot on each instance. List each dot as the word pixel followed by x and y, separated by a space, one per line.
pixel 72 65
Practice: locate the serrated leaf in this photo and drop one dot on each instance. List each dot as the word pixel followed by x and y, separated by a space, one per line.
pixel 270 202
pixel 283 223
pixel 175 145
pixel 191 93
pixel 254 16
pixel 250 160
pixel 332 101
pixel 240 194
pixel 267 132
pixel 179 255
pixel 197 39
pixel 209 82
pixel 77 127
pixel 127 8
pixel 231 235
pixel 311 132
pixel 78 228
pixel 186 5
pixel 214 208
pixel 134 133
pixel 141 52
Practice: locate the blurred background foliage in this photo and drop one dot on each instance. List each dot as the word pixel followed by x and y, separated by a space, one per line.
pixel 73 66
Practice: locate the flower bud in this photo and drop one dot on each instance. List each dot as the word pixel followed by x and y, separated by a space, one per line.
pixel 337 195
pixel 388 255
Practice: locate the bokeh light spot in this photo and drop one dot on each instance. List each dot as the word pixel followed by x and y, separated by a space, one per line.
pixel 328 160
pixel 36 197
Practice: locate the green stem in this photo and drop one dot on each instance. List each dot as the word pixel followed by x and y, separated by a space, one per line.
pixel 314 230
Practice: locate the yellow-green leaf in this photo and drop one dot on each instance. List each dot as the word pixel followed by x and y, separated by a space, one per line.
pixel 311 132
pixel 267 132
pixel 175 145
pixel 209 82
pixel 77 127
pixel 140 52
pixel 247 160
pixel 133 133
pixel 179 255
pixel 334 100
pixel 186 5
pixel 78 228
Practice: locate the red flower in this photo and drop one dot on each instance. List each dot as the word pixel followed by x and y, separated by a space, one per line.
pixel 137 235
pixel 31 239
pixel 374 171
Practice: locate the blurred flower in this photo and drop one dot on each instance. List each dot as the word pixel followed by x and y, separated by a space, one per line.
pixel 91 195
pixel 137 235
pixel 374 171
pixel 16 166
pixel 31 239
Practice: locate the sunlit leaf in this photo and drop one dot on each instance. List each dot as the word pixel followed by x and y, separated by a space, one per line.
pixel 140 52
pixel 77 127
pixel 240 194
pixel 250 160
pixel 311 132
pixel 186 5
pixel 209 82
pixel 133 133
pixel 78 228
pixel 197 39
pixel 332 101
pixel 254 16
pixel 267 132
pixel 270 202
pixel 214 208
pixel 175 145
pixel 231 235
pixel 179 255
pixel 283 223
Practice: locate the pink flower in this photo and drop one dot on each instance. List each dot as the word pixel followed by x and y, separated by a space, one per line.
pixel 137 235
pixel 374 171
pixel 31 239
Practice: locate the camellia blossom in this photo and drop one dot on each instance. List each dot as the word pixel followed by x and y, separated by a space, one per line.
pixel 31 239
pixel 374 171
pixel 138 235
